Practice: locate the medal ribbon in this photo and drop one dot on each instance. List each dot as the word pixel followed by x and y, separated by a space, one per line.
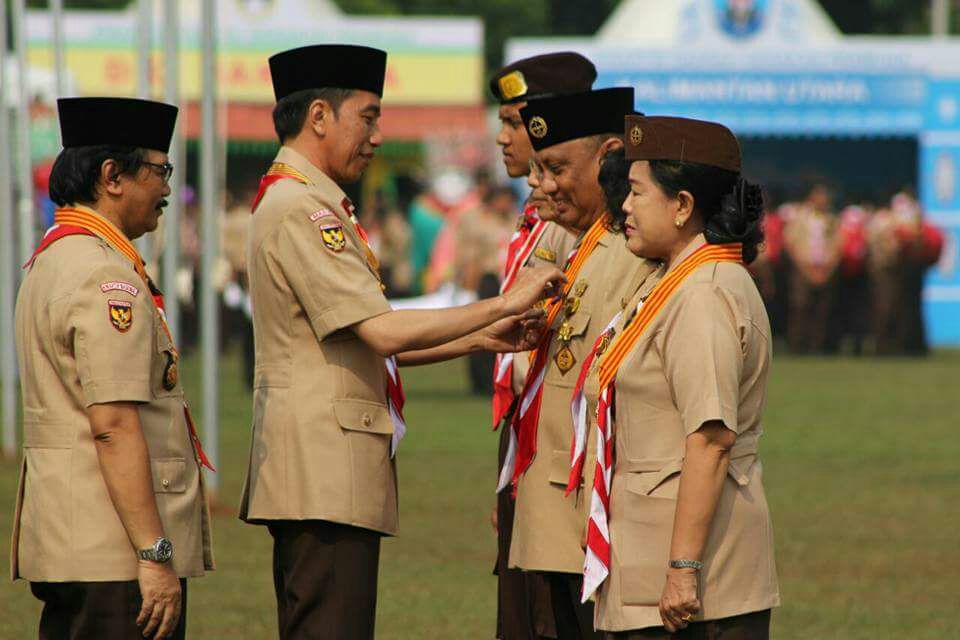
pixel 596 565
pixel 87 222
pixel 522 446
pixel 277 171
pixel 522 244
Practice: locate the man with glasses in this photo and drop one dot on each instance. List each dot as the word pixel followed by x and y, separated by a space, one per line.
pixel 111 517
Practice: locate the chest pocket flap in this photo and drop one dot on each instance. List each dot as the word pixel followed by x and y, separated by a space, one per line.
pixel 362 415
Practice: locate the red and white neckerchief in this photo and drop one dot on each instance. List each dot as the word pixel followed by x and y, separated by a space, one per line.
pixel 83 221
pixel 596 566
pixel 395 396
pixel 522 445
pixel 523 243
pixel 578 407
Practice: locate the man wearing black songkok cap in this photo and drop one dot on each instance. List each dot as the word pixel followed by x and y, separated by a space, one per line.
pixel 112 516
pixel 523 599
pixel 328 403
pixel 573 136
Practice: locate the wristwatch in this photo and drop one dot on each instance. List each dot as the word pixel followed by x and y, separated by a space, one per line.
pixel 161 551
pixel 686 564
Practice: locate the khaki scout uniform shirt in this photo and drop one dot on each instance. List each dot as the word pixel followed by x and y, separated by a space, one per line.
pixel 548 526
pixel 321 429
pixel 704 357
pixel 72 355
pixel 551 251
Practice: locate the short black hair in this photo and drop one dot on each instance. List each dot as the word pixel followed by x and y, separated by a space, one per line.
pixel 615 182
pixel 75 172
pixel 291 110
pixel 731 208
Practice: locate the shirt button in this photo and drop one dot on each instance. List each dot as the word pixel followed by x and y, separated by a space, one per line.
pixel 165 483
pixel 367 420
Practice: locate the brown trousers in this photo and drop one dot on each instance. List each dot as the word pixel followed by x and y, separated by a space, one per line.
pixel 85 610
pixel 524 611
pixel 749 626
pixel 325 578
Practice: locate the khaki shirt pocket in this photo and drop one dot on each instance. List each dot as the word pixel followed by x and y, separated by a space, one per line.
pixel 362 415
pixel 560 468
pixel 169 475
pixel 368 427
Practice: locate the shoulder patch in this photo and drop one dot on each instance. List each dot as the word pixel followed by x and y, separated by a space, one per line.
pixel 121 315
pixel 332 235
pixel 322 213
pixel 545 254
pixel 119 285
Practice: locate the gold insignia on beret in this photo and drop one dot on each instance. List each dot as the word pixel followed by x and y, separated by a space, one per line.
pixel 545 254
pixel 332 235
pixel 121 315
pixel 636 135
pixel 538 127
pixel 513 85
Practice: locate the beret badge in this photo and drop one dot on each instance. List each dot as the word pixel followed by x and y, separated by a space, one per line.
pixel 513 85
pixel 636 135
pixel 537 127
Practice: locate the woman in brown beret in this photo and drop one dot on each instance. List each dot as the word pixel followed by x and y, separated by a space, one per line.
pixel 679 542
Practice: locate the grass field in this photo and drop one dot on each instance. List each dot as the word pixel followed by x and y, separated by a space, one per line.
pixel 862 470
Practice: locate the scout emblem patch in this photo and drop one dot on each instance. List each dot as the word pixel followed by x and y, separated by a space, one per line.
pixel 565 359
pixel 545 254
pixel 332 235
pixel 538 127
pixel 513 85
pixel 171 373
pixel 119 285
pixel 121 315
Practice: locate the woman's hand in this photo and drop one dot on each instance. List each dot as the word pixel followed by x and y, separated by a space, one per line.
pixel 679 602
pixel 516 333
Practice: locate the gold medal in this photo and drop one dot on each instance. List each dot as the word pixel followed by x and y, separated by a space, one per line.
pixel 565 333
pixel 171 374
pixel 564 359
pixel 605 341
pixel 573 304
pixel 580 289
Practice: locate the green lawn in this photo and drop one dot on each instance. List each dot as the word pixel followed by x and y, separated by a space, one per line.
pixel 862 462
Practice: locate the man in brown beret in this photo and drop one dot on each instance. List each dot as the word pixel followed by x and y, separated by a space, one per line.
pixel 523 599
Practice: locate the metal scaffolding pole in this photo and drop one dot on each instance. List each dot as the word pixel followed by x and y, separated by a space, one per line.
pixel 144 47
pixel 24 181
pixel 8 258
pixel 59 65
pixel 940 18
pixel 210 203
pixel 171 217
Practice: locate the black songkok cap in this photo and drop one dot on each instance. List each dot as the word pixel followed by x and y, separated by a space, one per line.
pixel 550 121
pixel 322 66
pixel 550 74
pixel 86 122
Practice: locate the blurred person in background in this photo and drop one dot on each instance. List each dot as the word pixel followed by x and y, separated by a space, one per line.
pixel 234 235
pixel 813 243
pixel 524 609
pixel 853 293
pixel 680 543
pixel 482 237
pixel 394 244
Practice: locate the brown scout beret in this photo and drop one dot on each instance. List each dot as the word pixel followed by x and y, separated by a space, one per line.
pixel 681 139
pixel 544 75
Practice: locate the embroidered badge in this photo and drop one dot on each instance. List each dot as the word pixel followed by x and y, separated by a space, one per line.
pixel 121 315
pixel 545 254
pixel 332 235
pixel 119 285
pixel 322 213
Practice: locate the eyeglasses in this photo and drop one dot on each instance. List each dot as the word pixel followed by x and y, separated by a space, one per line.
pixel 165 170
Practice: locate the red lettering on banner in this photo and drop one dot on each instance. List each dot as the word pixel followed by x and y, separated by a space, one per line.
pixel 116 69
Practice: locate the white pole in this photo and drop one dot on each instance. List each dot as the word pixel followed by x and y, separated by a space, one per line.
pixel 144 47
pixel 8 258
pixel 59 66
pixel 171 228
pixel 23 165
pixel 940 18
pixel 210 205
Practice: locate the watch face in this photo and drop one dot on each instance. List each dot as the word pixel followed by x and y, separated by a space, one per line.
pixel 163 549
